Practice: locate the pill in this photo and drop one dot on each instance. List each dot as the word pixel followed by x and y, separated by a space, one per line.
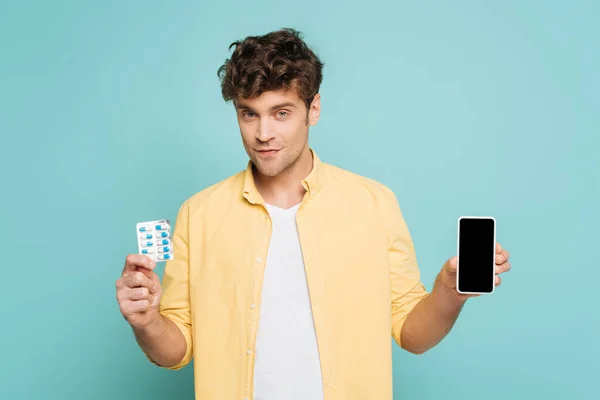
pixel 159 227
pixel 147 251
pixel 147 244
pixel 164 249
pixel 145 229
pixel 163 242
pixel 164 256
pixel 162 234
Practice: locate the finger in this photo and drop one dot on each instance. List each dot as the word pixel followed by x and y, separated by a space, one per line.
pixel 498 248
pixel 138 293
pixel 138 279
pixel 135 261
pixel 450 265
pixel 498 280
pixel 502 268
pixel 502 257
pixel 126 294
pixel 133 307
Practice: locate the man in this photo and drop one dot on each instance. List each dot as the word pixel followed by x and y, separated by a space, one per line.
pixel 289 276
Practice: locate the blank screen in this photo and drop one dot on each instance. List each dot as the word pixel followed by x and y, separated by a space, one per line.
pixel 476 254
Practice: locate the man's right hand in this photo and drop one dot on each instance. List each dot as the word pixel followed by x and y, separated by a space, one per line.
pixel 139 291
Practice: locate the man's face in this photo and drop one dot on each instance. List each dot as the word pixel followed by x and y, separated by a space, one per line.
pixel 274 128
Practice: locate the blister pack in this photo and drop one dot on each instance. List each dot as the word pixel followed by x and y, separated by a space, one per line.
pixel 154 239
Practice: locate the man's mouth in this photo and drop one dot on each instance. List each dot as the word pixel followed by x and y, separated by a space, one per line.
pixel 268 152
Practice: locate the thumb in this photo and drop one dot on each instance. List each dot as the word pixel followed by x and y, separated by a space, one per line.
pixel 155 292
pixel 156 296
pixel 156 280
pixel 450 265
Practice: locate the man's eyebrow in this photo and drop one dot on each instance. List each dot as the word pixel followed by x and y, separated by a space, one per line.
pixel 242 106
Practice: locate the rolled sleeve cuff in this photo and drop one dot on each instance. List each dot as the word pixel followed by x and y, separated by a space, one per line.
pixel 187 334
pixel 399 317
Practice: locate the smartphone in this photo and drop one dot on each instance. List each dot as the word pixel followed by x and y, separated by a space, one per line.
pixel 476 267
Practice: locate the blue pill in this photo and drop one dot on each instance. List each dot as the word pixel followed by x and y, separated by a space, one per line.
pixel 148 236
pixel 163 234
pixel 165 241
pixel 145 251
pixel 166 249
pixel 143 229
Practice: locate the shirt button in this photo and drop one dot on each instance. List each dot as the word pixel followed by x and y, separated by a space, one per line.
pixel 266 216
pixel 258 260
pixel 248 351
pixel 253 306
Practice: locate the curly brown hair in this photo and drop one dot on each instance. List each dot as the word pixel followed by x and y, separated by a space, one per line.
pixel 274 61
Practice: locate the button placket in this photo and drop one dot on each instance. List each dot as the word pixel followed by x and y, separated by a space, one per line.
pixel 253 305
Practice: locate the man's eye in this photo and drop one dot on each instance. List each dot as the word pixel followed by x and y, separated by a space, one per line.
pixel 248 114
pixel 282 114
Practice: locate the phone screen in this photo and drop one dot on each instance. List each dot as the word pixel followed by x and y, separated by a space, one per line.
pixel 476 254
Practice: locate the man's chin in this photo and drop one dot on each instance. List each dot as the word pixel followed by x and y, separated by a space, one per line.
pixel 269 172
pixel 264 169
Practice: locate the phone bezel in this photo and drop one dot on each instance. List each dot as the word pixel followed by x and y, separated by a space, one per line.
pixel 458 253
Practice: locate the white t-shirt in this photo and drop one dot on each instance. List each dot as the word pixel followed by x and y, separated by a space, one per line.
pixel 287 365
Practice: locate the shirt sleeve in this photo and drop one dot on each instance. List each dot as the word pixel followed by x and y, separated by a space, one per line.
pixel 175 300
pixel 405 277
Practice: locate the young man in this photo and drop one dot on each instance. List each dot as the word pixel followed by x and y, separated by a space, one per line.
pixel 290 276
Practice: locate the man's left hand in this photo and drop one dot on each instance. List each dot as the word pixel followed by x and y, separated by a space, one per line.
pixel 448 274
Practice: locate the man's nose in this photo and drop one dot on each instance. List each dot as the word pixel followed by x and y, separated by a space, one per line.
pixel 265 131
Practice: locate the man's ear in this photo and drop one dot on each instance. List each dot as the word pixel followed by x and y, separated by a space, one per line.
pixel 314 111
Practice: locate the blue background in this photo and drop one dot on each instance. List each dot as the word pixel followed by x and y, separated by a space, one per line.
pixel 110 114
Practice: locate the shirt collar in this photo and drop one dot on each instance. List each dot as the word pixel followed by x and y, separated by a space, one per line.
pixel 312 183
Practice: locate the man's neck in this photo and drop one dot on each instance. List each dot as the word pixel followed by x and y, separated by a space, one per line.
pixel 285 190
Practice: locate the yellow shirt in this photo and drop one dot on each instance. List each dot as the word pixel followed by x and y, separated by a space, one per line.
pixel 361 270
